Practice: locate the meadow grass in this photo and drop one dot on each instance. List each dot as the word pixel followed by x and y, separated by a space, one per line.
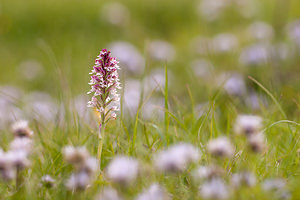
pixel 63 37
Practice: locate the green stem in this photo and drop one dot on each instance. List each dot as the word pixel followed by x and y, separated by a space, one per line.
pixel 100 139
pixel 19 178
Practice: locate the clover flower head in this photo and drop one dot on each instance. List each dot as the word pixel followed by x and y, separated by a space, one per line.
pixel 221 147
pixel 177 158
pixel 104 85
pixel 123 170
pixel 155 191
pixel 214 189
pixel 21 129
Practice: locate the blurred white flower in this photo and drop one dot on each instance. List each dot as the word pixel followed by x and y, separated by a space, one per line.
pixel 211 10
pixel 76 156
pixel 132 94
pixel 243 179
pixel 130 58
pixel 7 169
pixel 235 85
pixel 247 8
pixel 202 68
pixel 176 158
pixel 31 69
pixel 214 189
pixel 78 181
pixel 261 31
pixel 161 50
pixel 220 146
pixel 248 124
pixel 21 144
pixel 154 107
pixel 19 159
pixel 207 172
pixel 109 193
pixel 115 13
pixel 123 170
pixel 257 142
pixel 39 105
pixel 81 109
pixel 9 98
pixel 224 43
pixel 273 184
pixel 256 54
pixel 293 29
pixel 155 81
pixel 85 167
pixel 154 192
pixel 21 129
pixel 47 181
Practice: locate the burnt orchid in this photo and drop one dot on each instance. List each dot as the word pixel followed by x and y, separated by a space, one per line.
pixel 104 85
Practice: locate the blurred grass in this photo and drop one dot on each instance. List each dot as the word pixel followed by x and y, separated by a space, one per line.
pixel 65 37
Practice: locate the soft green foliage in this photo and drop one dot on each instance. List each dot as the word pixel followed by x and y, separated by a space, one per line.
pixel 64 36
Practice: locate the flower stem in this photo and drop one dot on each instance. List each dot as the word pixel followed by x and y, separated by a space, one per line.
pixel 100 139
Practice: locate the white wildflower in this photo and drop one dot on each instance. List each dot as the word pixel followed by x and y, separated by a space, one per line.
pixel 214 189
pixel 123 170
pixel 76 156
pixel 207 172
pixel 47 181
pixel 221 146
pixel 161 50
pixel 109 193
pixel 257 142
pixel 176 158
pixel 21 129
pixel 248 124
pixel 154 192
pixel 78 181
pixel 243 179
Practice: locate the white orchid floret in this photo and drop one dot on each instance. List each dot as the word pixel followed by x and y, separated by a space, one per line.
pixel 21 129
pixel 221 147
pixel 214 189
pixel 176 158
pixel 122 170
pixel 248 124
pixel 155 191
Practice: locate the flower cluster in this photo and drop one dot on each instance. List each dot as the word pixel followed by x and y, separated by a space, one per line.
pixel 176 158
pixel 84 166
pixel 16 158
pixel 250 126
pixel 104 84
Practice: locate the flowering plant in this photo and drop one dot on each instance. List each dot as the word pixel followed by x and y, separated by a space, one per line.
pixel 104 84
